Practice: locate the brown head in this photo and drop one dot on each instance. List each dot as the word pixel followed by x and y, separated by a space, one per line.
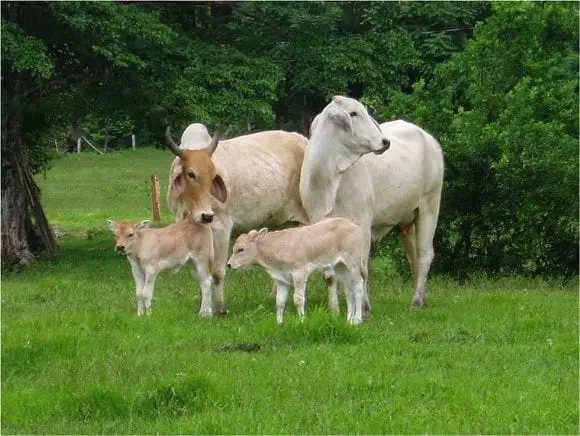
pixel 195 180
pixel 245 251
pixel 126 233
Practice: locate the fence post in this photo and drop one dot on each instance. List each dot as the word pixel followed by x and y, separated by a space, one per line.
pixel 155 197
pixel 133 141
pixel 79 144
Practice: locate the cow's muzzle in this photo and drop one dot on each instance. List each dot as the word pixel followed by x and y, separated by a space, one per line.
pixel 206 218
pixel 386 145
pixel 120 249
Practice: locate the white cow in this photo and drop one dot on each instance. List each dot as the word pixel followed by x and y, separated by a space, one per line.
pixel 402 186
pixel 289 256
pixel 151 251
pixel 243 183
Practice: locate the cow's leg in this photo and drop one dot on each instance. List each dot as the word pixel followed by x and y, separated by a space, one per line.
pixel 425 225
pixel 409 237
pixel 205 280
pixel 366 305
pixel 148 287
pixel 299 278
pixel 331 284
pixel 221 237
pixel 139 277
pixel 281 298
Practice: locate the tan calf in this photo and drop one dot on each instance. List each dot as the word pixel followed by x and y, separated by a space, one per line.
pixel 289 256
pixel 151 251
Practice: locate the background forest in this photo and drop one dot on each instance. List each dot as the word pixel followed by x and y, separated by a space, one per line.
pixel 496 83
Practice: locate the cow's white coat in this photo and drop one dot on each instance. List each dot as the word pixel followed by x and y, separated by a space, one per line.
pixel 343 177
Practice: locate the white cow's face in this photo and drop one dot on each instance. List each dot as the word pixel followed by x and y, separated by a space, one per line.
pixel 353 126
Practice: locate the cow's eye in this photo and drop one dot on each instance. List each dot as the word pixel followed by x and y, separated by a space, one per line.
pixel 239 250
pixel 353 114
pixel 191 175
pixel 130 235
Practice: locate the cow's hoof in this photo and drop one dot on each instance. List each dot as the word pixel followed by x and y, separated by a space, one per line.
pixel 222 312
pixel 205 314
pixel 419 302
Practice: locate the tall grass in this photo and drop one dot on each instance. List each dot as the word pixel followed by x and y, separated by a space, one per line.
pixel 487 356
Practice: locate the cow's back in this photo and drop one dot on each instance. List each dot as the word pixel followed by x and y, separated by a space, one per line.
pixel 405 175
pixel 262 173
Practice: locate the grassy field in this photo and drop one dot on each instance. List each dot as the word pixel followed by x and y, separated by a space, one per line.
pixel 487 356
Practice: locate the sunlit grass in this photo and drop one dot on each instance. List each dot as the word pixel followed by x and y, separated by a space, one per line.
pixel 487 356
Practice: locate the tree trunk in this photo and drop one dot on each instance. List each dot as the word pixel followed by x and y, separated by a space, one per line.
pixel 20 197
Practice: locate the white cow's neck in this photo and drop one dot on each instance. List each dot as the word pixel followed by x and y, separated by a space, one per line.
pixel 324 164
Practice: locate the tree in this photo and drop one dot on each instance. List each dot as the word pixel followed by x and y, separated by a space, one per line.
pixel 506 110
pixel 65 60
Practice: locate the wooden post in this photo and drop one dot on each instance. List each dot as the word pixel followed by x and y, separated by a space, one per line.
pixel 133 141
pixel 155 196
pixel 79 144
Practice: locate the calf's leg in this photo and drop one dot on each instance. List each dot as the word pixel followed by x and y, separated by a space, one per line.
pixel 281 298
pixel 300 278
pixel 148 288
pixel 139 277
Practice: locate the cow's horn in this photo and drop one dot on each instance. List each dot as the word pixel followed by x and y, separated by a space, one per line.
pixel 214 142
pixel 171 143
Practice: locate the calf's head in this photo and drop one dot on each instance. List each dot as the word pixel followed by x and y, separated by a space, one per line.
pixel 126 234
pixel 245 251
pixel 195 179
pixel 349 123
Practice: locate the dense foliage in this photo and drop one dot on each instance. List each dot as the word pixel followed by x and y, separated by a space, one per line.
pixel 503 100
pixel 506 110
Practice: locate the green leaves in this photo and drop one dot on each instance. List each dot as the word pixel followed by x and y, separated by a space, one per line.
pixel 506 110
pixel 25 53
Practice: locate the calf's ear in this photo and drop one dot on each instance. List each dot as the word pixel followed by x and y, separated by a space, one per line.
pixel 112 225
pixel 143 225
pixel 218 189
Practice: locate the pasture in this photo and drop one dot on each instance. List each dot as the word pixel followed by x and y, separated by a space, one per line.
pixel 487 356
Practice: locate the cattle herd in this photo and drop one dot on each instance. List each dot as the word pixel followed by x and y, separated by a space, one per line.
pixel 347 185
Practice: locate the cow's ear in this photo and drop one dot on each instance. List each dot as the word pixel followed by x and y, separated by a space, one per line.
pixel 143 225
pixel 112 225
pixel 262 232
pixel 218 189
pixel 178 184
pixel 341 119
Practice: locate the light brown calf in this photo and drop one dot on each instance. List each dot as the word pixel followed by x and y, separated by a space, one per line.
pixel 151 251
pixel 289 256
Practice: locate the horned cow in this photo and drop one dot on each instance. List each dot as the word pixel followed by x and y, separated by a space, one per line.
pixel 151 251
pixel 348 172
pixel 243 183
pixel 290 255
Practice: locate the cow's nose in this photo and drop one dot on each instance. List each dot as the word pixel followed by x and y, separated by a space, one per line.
pixel 206 218
pixel 386 143
pixel 229 265
pixel 120 248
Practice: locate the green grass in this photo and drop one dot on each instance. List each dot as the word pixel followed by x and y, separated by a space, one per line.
pixel 487 356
